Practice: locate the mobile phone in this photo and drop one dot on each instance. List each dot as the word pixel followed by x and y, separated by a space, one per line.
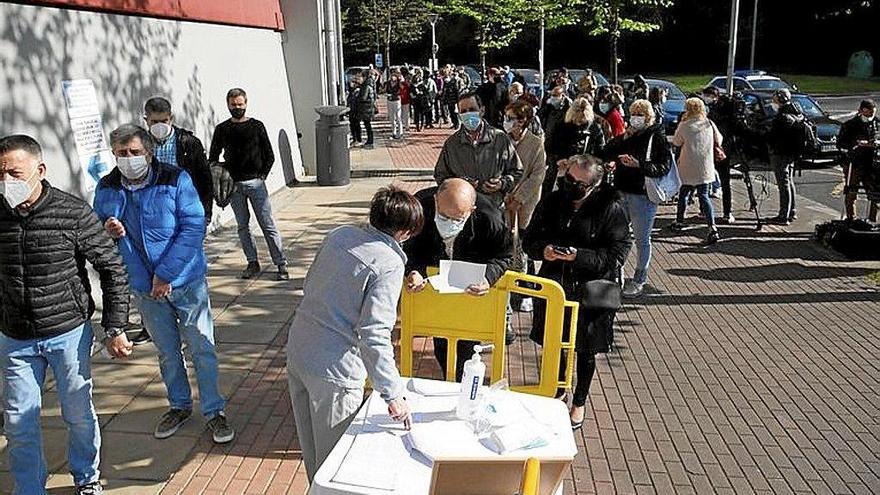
pixel 562 250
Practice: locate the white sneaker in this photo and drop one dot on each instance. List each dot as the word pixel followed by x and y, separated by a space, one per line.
pixel 633 289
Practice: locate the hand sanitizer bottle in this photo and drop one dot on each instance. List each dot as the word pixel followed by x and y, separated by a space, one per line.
pixel 471 380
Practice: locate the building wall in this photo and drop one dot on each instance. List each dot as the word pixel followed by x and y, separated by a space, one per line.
pixel 130 59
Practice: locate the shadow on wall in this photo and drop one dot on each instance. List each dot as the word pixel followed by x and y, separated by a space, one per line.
pixel 43 46
pixel 287 165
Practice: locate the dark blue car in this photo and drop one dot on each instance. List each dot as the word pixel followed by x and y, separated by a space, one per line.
pixel 675 98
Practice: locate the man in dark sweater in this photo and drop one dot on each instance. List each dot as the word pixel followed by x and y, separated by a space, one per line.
pixel 46 237
pixel 248 156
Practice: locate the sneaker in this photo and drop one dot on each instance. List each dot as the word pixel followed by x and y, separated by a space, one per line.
pixel 170 422
pixel 526 305
pixel 792 216
pixel 220 429
pixel 713 237
pixel 726 220
pixel 93 488
pixel 282 273
pixel 369 146
pixel 677 227
pixel 253 268
pixel 633 289
pixel 143 337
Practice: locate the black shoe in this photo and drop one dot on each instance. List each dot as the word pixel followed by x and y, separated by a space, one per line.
pixel 777 220
pixel 713 237
pixel 253 268
pixel 220 429
pixel 93 488
pixel 170 422
pixel 792 216
pixel 143 337
pixel 677 227
pixel 282 273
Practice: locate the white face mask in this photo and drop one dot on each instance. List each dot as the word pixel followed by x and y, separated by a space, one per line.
pixel 867 119
pixel 17 191
pixel 509 124
pixel 133 167
pixel 447 227
pixel 637 122
pixel 161 131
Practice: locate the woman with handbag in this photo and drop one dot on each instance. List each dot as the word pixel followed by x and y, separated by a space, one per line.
pixel 700 144
pixel 642 151
pixel 581 232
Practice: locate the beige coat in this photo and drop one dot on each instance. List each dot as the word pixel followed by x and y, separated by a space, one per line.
pixel 530 150
pixel 696 137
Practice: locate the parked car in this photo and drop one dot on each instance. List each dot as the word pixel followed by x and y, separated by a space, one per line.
pixel 675 98
pixel 473 73
pixel 759 112
pixel 531 79
pixel 752 80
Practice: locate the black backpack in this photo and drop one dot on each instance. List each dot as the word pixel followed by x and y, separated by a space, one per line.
pixel 800 135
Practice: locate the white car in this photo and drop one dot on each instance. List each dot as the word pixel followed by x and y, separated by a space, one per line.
pixel 749 80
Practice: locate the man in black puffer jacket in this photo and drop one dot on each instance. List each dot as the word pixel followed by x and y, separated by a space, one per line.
pixel 46 237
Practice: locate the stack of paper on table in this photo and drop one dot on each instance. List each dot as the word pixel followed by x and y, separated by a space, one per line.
pixel 456 276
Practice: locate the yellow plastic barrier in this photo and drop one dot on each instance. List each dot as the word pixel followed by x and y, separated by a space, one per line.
pixel 457 317
pixel 531 482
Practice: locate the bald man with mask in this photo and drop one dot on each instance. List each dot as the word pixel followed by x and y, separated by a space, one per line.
pixel 459 225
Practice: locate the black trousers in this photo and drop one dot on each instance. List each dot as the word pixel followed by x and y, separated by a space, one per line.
pixel 355 126
pixel 452 109
pixel 464 351
pixel 368 126
pixel 585 368
pixel 723 169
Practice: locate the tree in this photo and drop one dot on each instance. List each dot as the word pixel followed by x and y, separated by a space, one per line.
pixel 498 21
pixel 615 17
pixel 374 26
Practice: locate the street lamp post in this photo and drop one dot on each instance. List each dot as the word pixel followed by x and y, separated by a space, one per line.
pixel 754 35
pixel 541 58
pixel 731 53
pixel 433 18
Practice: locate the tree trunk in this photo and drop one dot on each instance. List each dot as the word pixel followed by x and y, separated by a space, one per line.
pixel 388 45
pixel 615 38
pixel 483 33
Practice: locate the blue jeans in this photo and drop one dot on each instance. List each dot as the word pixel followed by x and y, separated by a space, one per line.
pixel 783 168
pixel 24 364
pixel 641 216
pixel 184 315
pixel 255 191
pixel 705 202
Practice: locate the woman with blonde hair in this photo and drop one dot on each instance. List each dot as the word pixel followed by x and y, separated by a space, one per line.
pixel 579 134
pixel 642 151
pixel 697 137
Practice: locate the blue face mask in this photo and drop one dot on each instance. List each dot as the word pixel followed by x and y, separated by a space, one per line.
pixel 604 107
pixel 447 227
pixel 471 120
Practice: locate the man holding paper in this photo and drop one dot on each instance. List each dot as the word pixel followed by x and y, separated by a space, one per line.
pixel 342 329
pixel 461 226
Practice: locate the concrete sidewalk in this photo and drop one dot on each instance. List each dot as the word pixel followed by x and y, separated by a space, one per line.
pixel 750 366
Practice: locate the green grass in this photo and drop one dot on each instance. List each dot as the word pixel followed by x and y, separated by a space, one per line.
pixel 820 85
pixel 874 278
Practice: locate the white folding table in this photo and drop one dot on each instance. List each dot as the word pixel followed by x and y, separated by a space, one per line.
pixel 373 458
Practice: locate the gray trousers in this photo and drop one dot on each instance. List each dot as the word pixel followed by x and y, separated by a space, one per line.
pixel 255 191
pixel 322 411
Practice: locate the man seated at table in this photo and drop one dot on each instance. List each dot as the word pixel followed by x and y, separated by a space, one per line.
pixel 459 225
pixel 342 329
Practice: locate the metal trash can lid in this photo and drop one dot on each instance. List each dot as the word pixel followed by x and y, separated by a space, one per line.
pixel 331 111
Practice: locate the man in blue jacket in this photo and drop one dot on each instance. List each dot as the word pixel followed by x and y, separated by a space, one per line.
pixel 154 212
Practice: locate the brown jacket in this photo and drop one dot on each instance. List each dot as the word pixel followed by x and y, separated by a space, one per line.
pixel 527 192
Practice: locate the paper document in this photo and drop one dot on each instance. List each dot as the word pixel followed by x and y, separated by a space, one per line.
pixel 456 276
pixel 361 466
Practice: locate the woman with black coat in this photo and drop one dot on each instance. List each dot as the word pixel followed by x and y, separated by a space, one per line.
pixel 642 151
pixel 581 231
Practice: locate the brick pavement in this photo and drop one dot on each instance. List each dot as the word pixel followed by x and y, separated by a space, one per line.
pixel 750 367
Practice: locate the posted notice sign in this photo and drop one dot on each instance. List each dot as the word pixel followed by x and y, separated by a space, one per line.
pixel 88 129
